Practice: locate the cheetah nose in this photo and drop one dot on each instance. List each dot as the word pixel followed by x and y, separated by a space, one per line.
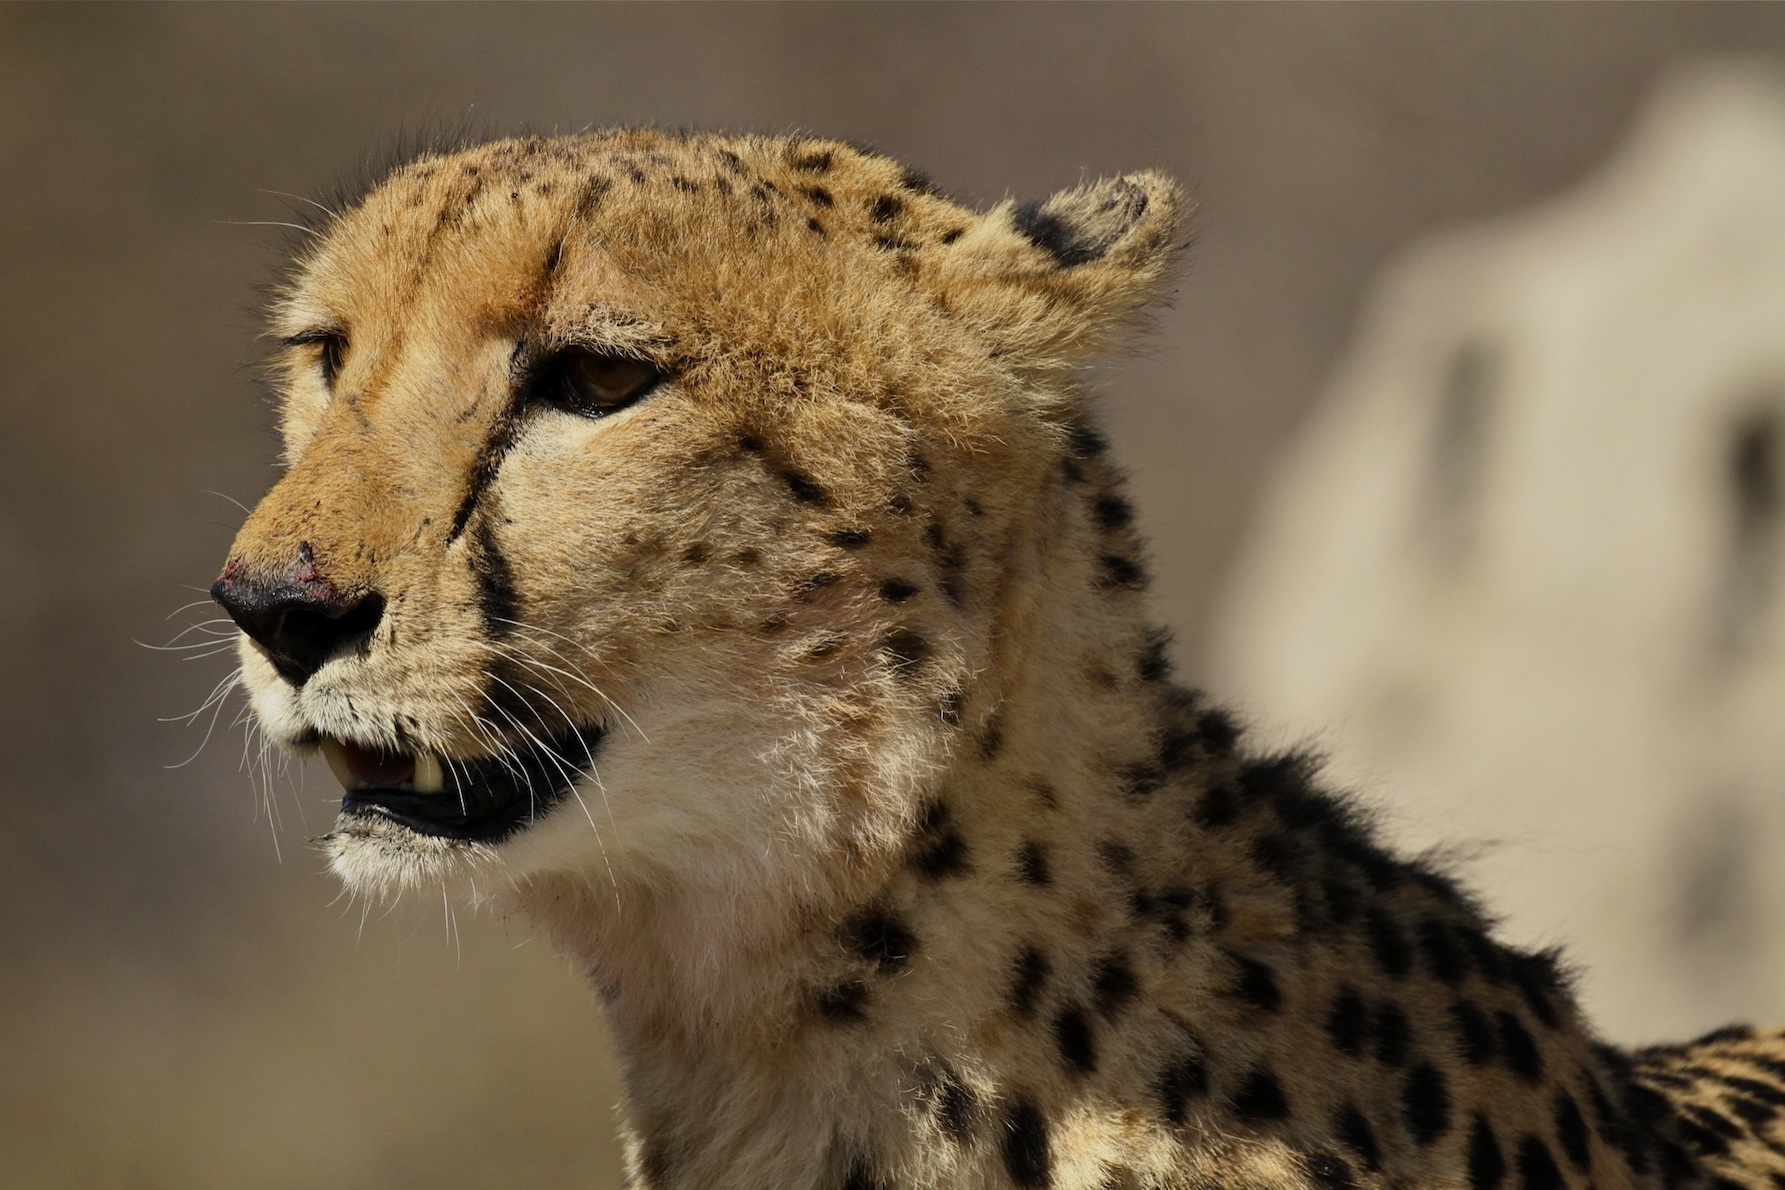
pixel 301 619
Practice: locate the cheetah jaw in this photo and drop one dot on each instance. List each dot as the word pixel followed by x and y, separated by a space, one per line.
pixel 481 800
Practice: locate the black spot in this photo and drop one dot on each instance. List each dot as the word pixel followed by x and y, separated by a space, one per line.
pixel 1087 442
pixel 1490 960
pixel 1394 1035
pixel 684 184
pixel 1348 1023
pixel 956 1107
pixel 1445 958
pixel 1425 1104
pixel 1614 1128
pixel 1487 1166
pixel 803 489
pixel 1677 1166
pixel 1053 235
pixel 884 207
pixel 1116 855
pixel 1029 980
pixel 917 181
pixel 1342 900
pixel 818 582
pixel 905 649
pixel 844 1003
pixel 1257 984
pixel 1329 1172
pixel 814 226
pixel 812 163
pixel 896 590
pixel 1276 854
pixel 862 1177
pixel 1119 573
pixel 1113 512
pixel 1440 886
pixel 1260 1097
pixel 1031 864
pixel 1757 1115
pixel 1388 944
pixel 1537 1169
pixel 1154 664
pixel 818 194
pixel 1025 1145
pixel 1770 1065
pixel 944 855
pixel 1073 1037
pixel 749 443
pixel 1114 984
pixel 1474 1032
pixel 497 600
pixel 850 539
pixel 1518 1050
pixel 1218 730
pixel 1177 747
pixel 1707 1131
pixel 1140 780
pixel 1180 1082
pixel 1357 1135
pixel 951 235
pixel 1765 1092
pixel 1218 807
pixel 1571 1130
pixel 1539 980
pixel 878 936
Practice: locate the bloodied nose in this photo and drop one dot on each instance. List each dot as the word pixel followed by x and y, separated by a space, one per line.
pixel 298 617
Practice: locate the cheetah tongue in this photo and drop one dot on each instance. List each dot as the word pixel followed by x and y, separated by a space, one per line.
pixel 367 768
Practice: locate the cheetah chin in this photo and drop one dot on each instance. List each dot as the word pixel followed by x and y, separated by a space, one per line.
pixel 703 547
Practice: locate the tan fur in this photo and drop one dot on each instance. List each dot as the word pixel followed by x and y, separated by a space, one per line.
pixel 900 863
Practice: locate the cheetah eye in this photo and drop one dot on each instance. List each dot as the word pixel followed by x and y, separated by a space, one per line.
pixel 332 353
pixel 595 384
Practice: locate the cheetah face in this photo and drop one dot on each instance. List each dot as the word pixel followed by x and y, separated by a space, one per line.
pixel 615 466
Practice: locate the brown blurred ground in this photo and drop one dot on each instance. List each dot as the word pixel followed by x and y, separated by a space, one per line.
pixel 178 1006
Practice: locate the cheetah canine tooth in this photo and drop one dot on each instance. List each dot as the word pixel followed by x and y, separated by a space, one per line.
pixel 336 755
pixel 429 778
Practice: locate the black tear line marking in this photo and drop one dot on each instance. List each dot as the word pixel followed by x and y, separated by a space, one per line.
pixel 497 599
pixel 488 464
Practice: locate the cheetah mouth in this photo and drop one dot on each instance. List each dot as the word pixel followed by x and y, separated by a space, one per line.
pixel 483 800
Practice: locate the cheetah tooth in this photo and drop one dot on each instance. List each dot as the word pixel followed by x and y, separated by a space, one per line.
pixel 336 756
pixel 429 778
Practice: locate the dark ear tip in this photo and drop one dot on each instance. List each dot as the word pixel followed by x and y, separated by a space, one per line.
pixel 1082 225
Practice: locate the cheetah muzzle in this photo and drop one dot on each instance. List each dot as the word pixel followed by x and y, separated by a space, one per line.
pixel 703 547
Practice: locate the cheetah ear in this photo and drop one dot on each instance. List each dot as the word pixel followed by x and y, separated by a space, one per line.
pixel 1054 281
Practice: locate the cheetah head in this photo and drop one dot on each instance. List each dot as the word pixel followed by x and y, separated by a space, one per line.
pixel 650 501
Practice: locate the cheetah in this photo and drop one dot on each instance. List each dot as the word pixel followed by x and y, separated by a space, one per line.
pixel 701 547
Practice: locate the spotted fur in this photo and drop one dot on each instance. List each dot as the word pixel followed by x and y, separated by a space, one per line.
pixel 896 856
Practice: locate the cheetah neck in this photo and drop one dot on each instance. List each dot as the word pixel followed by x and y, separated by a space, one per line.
pixel 1037 817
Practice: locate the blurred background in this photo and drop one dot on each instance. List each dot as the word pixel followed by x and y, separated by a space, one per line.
pixel 1461 447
